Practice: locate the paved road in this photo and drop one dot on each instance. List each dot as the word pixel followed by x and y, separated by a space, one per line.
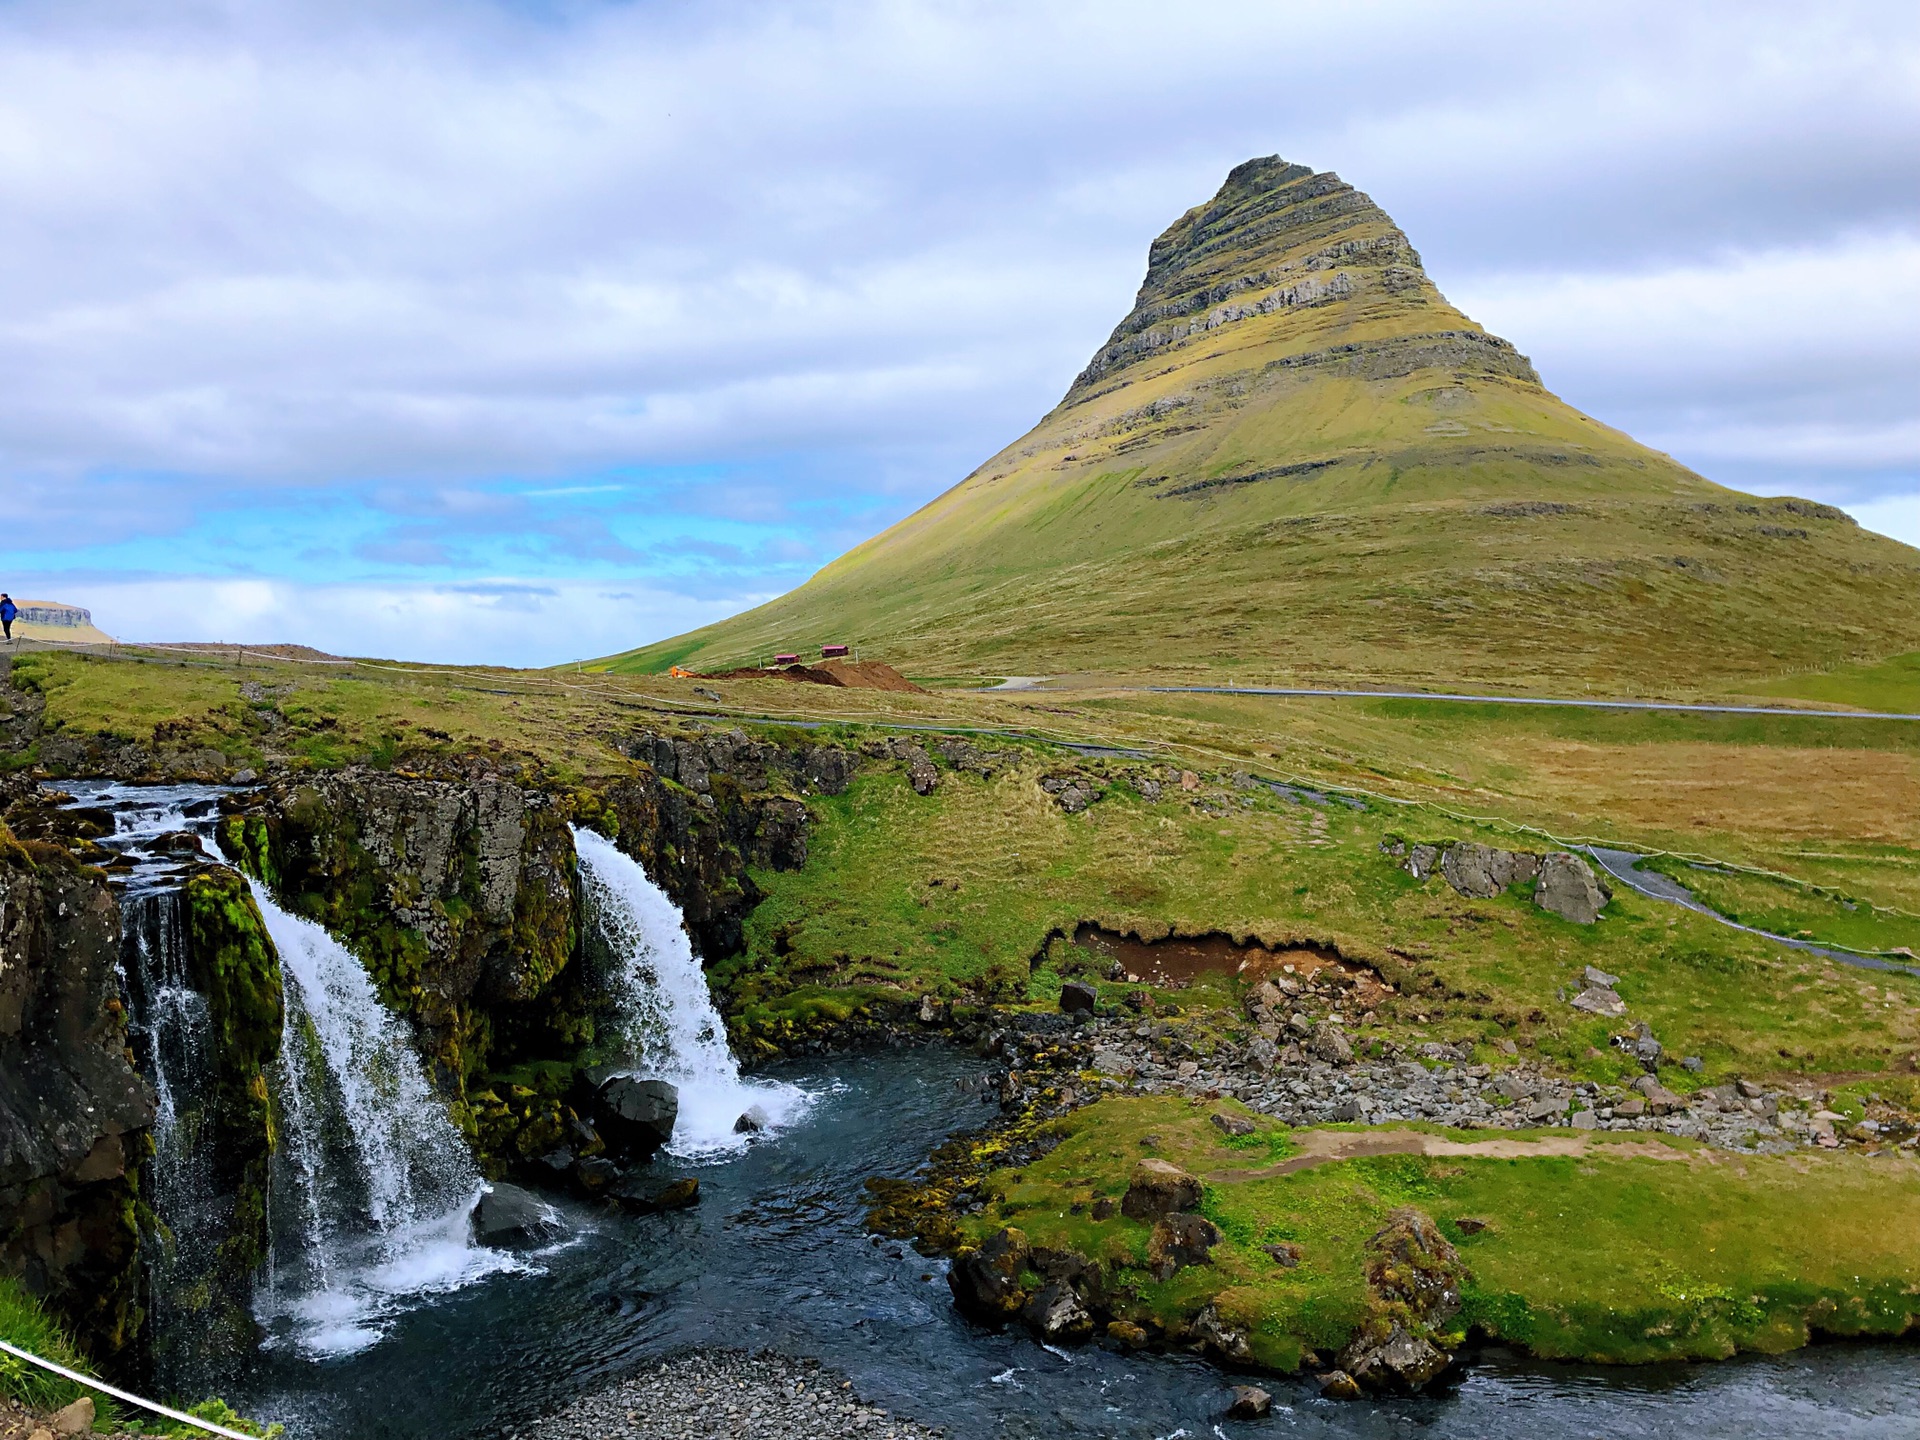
pixel 1523 700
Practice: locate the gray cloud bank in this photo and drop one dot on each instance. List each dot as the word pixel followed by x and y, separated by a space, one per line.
pixel 254 248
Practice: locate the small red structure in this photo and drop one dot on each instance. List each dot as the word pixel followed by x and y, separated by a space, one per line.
pixel 835 652
pixel 786 659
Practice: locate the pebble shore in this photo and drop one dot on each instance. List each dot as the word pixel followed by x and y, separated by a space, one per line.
pixel 727 1393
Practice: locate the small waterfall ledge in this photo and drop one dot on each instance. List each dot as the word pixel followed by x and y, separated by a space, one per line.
pixel 664 1015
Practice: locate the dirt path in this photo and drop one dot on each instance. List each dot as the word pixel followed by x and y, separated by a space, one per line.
pixel 1318 1147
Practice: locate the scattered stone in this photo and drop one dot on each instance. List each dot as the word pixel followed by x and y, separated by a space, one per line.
pixel 1178 1241
pixel 1328 1044
pixel 1285 1254
pixel 74 1419
pixel 1077 997
pixel 1231 1124
pixel 1598 1001
pixel 510 1218
pixel 1568 888
pixel 1693 1063
pixel 1250 1402
pixel 1585 1120
pixel 1349 1111
pixel 1158 1188
pixel 1470 1224
pixel 244 777
pixel 1600 979
pixel 1104 1208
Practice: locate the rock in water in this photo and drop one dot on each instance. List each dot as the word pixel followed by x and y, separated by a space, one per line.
pixel 636 1117
pixel 509 1218
pixel 1057 1316
pixel 1569 888
pixel 1338 1385
pixel 753 1121
pixel 986 1282
pixel 1250 1402
pixel 652 1194
pixel 1403 1362
pixel 1078 997
pixel 1157 1189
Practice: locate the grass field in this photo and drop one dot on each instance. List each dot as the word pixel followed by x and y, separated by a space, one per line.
pixel 1636 1250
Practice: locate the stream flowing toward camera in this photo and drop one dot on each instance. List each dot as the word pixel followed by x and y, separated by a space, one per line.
pixel 383 1319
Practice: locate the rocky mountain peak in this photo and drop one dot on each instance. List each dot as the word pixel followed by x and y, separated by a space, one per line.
pixel 1277 237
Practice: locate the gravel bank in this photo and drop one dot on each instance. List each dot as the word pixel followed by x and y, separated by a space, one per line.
pixel 727 1393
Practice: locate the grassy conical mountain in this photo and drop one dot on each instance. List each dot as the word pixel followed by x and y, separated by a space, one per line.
pixel 1294 459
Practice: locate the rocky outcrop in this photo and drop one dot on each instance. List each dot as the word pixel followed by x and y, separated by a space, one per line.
pixel 1414 1277
pixel 457 896
pixel 1563 883
pixel 73 1113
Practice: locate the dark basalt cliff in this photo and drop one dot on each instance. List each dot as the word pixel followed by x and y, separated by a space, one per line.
pixel 73 1112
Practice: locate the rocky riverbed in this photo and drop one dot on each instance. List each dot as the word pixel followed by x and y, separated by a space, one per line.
pixel 727 1393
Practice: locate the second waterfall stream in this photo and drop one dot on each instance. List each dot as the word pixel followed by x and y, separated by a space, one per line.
pixel 662 1004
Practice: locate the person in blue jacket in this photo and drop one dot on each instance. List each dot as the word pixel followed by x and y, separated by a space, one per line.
pixel 7 611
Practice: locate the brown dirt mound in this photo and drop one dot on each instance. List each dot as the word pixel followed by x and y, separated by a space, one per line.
pixel 849 674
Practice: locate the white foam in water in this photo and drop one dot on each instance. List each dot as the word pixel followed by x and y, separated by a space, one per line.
pixel 373 1185
pixel 672 1030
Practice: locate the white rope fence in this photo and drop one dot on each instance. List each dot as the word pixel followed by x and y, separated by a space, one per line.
pixel 210 1426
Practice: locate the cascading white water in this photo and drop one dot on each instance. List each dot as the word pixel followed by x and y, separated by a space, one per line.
pixel 372 1186
pixel 671 1030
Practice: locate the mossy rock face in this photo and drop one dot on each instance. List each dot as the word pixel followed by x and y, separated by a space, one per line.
pixel 231 961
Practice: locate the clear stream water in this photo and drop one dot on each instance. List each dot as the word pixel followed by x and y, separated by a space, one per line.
pixel 775 1256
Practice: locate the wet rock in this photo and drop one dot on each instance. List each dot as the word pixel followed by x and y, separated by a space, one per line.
pixel 1338 1385
pixel 986 1282
pixel 1403 1362
pixel 1178 1241
pixel 636 1117
pixel 1126 1334
pixel 509 1218
pixel 1077 997
pixel 1158 1188
pixel 1228 1124
pixel 753 1121
pixel 594 1173
pixel 1224 1340
pixel 1568 888
pixel 653 1194
pixel 1056 1315
pixel 1250 1402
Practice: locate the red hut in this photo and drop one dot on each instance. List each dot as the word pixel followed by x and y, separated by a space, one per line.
pixel 786 659
pixel 835 652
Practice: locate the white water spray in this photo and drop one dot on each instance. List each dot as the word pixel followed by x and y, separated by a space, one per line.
pixel 373 1186
pixel 671 1030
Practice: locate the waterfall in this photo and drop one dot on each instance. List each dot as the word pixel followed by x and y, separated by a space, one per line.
pixel 667 1025
pixel 373 1186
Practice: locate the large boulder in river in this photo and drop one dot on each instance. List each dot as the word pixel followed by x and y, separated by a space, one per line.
pixel 1569 888
pixel 645 1194
pixel 509 1218
pixel 1157 1189
pixel 1402 1362
pixel 635 1117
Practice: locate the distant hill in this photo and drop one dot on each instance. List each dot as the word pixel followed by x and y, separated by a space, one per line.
pixel 57 620
pixel 1294 460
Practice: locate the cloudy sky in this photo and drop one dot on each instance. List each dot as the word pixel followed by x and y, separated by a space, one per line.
pixel 522 330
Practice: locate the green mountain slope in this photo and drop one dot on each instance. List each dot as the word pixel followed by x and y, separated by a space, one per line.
pixel 1294 460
